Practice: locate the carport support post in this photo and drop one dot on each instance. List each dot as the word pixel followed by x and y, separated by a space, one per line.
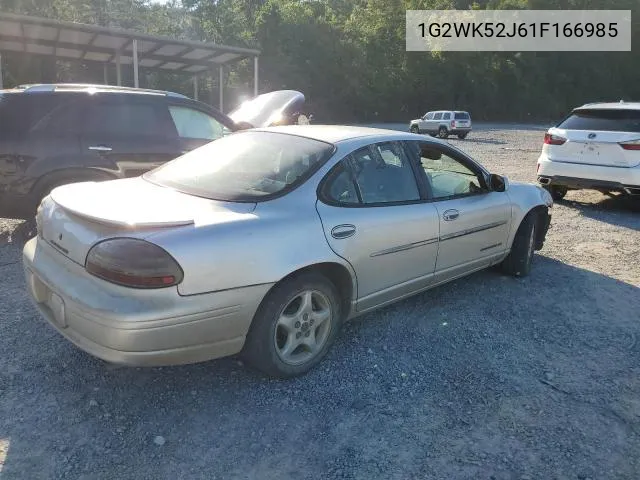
pixel 1 71
pixel 221 87
pixel 105 73
pixel 255 76
pixel 195 87
pixel 136 83
pixel 118 70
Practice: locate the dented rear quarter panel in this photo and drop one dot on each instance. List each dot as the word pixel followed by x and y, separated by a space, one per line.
pixel 278 238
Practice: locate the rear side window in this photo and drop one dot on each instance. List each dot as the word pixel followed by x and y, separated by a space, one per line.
pixel 19 112
pixel 461 116
pixel 603 120
pixel 446 116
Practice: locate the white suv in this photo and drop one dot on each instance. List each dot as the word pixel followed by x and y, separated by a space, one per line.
pixel 443 123
pixel 597 147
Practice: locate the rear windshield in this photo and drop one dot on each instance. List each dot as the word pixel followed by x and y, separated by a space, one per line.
pixel 462 116
pixel 244 166
pixel 603 120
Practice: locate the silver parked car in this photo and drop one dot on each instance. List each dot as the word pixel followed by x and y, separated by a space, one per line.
pixel 265 241
pixel 443 123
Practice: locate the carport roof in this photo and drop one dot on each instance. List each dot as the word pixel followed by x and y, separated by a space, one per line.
pixel 76 41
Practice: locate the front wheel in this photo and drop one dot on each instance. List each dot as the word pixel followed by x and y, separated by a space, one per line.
pixel 415 129
pixel 518 262
pixel 294 327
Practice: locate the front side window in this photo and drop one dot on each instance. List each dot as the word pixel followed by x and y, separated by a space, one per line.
pixel 446 176
pixel 122 118
pixel 192 123
pixel 383 174
pixel 429 116
pixel 438 116
pixel 244 166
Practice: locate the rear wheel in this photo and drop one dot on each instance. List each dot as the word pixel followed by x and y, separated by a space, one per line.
pixel 557 192
pixel 294 327
pixel 518 262
pixel 443 132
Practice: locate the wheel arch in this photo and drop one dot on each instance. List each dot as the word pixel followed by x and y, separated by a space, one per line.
pixel 338 274
pixel 541 211
pixel 82 174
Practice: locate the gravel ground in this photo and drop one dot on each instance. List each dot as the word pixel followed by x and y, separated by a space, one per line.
pixel 489 377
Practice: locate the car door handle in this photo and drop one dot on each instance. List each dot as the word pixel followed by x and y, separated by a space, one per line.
pixel 343 231
pixel 450 215
pixel 100 148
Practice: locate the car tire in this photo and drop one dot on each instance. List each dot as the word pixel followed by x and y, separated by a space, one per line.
pixel 279 337
pixel 557 192
pixel 462 136
pixel 415 129
pixel 518 262
pixel 443 132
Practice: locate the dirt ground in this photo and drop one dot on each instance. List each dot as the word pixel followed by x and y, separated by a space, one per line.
pixel 489 377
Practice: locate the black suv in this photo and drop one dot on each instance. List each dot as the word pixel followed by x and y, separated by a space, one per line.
pixel 52 135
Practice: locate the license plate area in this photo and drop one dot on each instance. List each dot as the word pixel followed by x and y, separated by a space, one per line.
pixel 49 300
pixel 589 150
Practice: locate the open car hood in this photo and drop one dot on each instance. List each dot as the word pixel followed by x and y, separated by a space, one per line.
pixel 267 109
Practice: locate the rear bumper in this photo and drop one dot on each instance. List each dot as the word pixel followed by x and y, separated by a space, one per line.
pixel 575 175
pixel 136 327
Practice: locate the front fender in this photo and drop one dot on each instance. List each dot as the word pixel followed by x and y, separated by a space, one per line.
pixel 524 198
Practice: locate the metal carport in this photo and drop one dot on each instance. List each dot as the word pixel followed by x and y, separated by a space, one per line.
pixel 81 42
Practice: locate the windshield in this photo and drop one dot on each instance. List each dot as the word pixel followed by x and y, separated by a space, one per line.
pixel 613 120
pixel 244 166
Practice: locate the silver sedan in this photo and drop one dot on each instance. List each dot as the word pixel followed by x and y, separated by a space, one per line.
pixel 265 241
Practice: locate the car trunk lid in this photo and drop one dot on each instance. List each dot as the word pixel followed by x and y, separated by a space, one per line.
pixel 268 109
pixel 594 147
pixel 75 217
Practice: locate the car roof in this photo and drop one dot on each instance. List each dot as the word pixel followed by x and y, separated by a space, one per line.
pixel 610 106
pixel 87 88
pixel 342 133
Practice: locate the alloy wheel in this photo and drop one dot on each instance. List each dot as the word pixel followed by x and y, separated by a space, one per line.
pixel 303 327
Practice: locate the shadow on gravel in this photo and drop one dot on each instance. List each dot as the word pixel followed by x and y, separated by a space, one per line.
pixel 19 235
pixel 618 209
pixel 486 377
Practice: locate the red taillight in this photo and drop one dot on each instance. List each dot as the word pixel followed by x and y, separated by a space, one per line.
pixel 133 263
pixel 634 145
pixel 453 123
pixel 550 139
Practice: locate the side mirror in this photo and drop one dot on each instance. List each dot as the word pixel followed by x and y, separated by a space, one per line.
pixel 498 183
